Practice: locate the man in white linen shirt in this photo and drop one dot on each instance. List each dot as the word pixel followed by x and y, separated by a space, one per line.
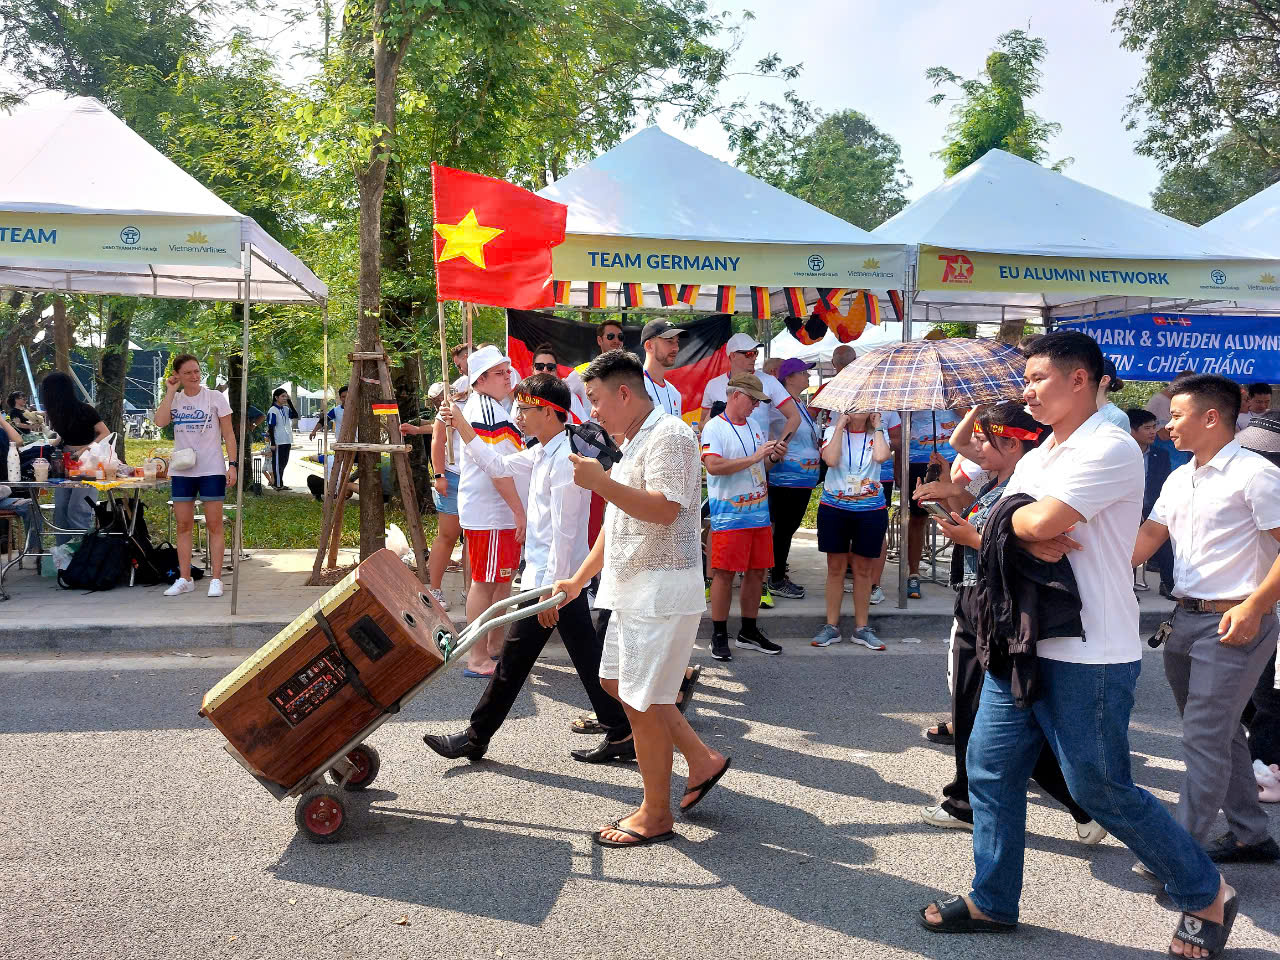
pixel 1222 511
pixel 555 545
pixel 649 556
pixel 1088 481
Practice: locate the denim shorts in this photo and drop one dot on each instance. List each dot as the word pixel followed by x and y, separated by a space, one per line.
pixel 187 489
pixel 449 502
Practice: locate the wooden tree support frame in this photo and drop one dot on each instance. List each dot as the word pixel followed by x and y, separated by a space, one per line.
pixel 344 452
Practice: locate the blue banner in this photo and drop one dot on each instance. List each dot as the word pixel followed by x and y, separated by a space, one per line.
pixel 1156 346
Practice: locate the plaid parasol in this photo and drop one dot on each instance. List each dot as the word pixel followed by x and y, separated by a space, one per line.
pixel 927 375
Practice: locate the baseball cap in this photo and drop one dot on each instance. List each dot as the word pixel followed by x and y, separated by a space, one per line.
pixel 435 392
pixel 792 365
pixel 748 384
pixel 1109 370
pixel 740 342
pixel 482 361
pixel 1262 435
pixel 659 328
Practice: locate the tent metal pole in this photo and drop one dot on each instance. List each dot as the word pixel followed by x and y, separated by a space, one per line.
pixel 237 546
pixel 324 393
pixel 904 456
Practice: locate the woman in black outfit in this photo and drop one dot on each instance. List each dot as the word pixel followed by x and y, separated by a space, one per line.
pixel 15 408
pixel 77 425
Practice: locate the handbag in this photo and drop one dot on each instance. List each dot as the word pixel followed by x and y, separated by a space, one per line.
pixel 183 459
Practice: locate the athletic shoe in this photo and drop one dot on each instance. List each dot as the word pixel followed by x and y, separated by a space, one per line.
pixel 707 593
pixel 913 588
pixel 937 817
pixel 757 641
pixel 848 586
pixel 786 590
pixel 766 598
pixel 215 587
pixel 826 636
pixel 867 637
pixel 720 648
pixel 180 586
pixel 877 595
pixel 1091 833
pixel 438 597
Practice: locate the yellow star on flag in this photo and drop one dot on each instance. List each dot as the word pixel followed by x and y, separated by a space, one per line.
pixel 465 239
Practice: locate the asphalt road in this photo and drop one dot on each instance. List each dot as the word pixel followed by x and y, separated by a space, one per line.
pixel 128 832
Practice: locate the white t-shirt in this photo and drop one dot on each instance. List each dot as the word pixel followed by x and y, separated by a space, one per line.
pixel 480 506
pixel 738 501
pixel 335 416
pixel 196 426
pixel 1098 472
pixel 854 483
pixel 1218 518
pixel 664 396
pixel 716 392
pixel 1243 420
pixel 1159 405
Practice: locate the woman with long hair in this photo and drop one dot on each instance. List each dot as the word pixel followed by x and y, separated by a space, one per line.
pixel 1001 435
pixel 77 425
pixel 201 421
pixel 280 420
pixel 15 408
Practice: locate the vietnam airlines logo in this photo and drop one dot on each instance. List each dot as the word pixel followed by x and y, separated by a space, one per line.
pixel 871 263
pixel 195 236
pixel 1267 278
pixel 958 269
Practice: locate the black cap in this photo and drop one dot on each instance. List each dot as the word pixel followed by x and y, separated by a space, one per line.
pixel 659 328
pixel 1109 370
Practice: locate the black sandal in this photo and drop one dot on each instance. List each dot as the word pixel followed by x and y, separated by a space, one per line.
pixel 640 839
pixel 703 788
pixel 955 918
pixel 941 732
pixel 686 688
pixel 1206 934
pixel 587 723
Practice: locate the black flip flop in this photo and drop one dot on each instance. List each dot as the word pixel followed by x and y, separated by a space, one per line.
pixel 704 787
pixel 686 689
pixel 955 918
pixel 640 839
pixel 947 738
pixel 1205 934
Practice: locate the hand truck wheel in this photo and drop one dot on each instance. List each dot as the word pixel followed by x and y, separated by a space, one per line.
pixel 321 814
pixel 367 763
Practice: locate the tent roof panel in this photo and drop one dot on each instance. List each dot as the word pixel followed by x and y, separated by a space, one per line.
pixel 1255 221
pixel 653 185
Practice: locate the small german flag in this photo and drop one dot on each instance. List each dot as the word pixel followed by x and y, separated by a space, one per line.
pixel 386 409
pixel 829 297
pixel 667 294
pixel 895 298
pixel 596 295
pixel 631 295
pixel 726 298
pixel 689 293
pixel 760 303
pixel 562 291
pixel 795 301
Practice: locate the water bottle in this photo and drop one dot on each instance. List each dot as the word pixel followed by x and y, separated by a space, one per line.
pixel 15 464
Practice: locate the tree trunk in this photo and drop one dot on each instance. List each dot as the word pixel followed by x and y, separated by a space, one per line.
pixel 1011 331
pixel 61 336
pixel 235 374
pixel 109 392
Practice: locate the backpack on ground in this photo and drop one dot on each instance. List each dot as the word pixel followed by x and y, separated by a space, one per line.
pixel 99 563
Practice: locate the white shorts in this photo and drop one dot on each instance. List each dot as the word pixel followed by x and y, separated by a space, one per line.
pixel 648 656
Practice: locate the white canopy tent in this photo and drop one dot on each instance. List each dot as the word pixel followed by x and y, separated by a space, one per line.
pixel 1255 221
pixel 89 207
pixel 785 345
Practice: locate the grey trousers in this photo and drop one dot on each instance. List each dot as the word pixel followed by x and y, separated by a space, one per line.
pixel 1211 683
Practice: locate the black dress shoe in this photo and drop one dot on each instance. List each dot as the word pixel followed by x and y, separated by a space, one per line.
pixel 1225 849
pixel 607 750
pixel 454 746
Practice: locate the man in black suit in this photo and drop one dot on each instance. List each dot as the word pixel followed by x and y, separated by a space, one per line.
pixel 1143 426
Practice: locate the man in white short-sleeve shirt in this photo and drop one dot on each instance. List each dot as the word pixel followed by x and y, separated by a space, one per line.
pixel 660 341
pixel 1088 481
pixel 742 351
pixel 1222 511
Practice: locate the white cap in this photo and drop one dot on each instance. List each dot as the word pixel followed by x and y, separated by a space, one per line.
pixel 435 392
pixel 737 343
pixel 482 361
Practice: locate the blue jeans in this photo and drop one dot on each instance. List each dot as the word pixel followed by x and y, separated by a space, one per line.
pixel 29 510
pixel 1083 714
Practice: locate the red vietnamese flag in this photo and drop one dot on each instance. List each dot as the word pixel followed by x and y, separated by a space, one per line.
pixel 493 240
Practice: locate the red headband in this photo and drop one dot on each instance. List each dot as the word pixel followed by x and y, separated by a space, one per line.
pixel 1007 430
pixel 529 400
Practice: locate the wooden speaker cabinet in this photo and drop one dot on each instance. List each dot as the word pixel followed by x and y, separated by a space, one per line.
pixel 342 664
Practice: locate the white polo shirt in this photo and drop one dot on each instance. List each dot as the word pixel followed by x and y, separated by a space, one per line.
pixel 1098 473
pixel 1218 517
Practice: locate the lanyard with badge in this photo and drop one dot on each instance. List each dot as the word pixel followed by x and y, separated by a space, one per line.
pixel 662 393
pixel 862 459
pixel 757 471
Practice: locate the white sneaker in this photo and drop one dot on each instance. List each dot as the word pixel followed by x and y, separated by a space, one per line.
pixel 438 597
pixel 1091 833
pixel 215 587
pixel 877 595
pixel 938 817
pixel 180 585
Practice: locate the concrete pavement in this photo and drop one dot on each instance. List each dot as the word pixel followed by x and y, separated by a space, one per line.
pixel 129 833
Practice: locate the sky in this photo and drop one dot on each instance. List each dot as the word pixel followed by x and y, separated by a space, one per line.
pixel 880 49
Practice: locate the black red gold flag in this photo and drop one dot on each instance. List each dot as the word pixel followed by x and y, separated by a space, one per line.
pixel 808 330
pixel 829 297
pixel 795 301
pixel 667 294
pixel 562 291
pixel 689 293
pixel 596 295
pixel 631 295
pixel 895 298
pixel 726 298
pixel 760 303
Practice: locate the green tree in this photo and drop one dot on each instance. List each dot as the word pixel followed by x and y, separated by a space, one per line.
pixel 840 162
pixel 991 112
pixel 1230 173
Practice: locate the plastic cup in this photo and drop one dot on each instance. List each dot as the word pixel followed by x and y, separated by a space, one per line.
pixel 40 466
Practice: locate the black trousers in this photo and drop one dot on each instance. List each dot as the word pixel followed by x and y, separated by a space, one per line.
pixel 521 651
pixel 279 460
pixel 967 676
pixel 786 511
pixel 1263 720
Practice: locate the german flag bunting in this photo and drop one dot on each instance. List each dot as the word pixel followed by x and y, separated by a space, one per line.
pixel 667 294
pixel 760 303
pixel 895 298
pixel 631 295
pixel 689 293
pixel 596 295
pixel 562 291
pixel 795 301
pixel 829 297
pixel 726 297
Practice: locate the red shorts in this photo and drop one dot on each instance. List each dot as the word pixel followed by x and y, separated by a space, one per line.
pixel 741 550
pixel 494 555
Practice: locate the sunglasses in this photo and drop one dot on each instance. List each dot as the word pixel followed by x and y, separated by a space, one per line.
pixel 611 336
pixel 752 352
pixel 551 367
